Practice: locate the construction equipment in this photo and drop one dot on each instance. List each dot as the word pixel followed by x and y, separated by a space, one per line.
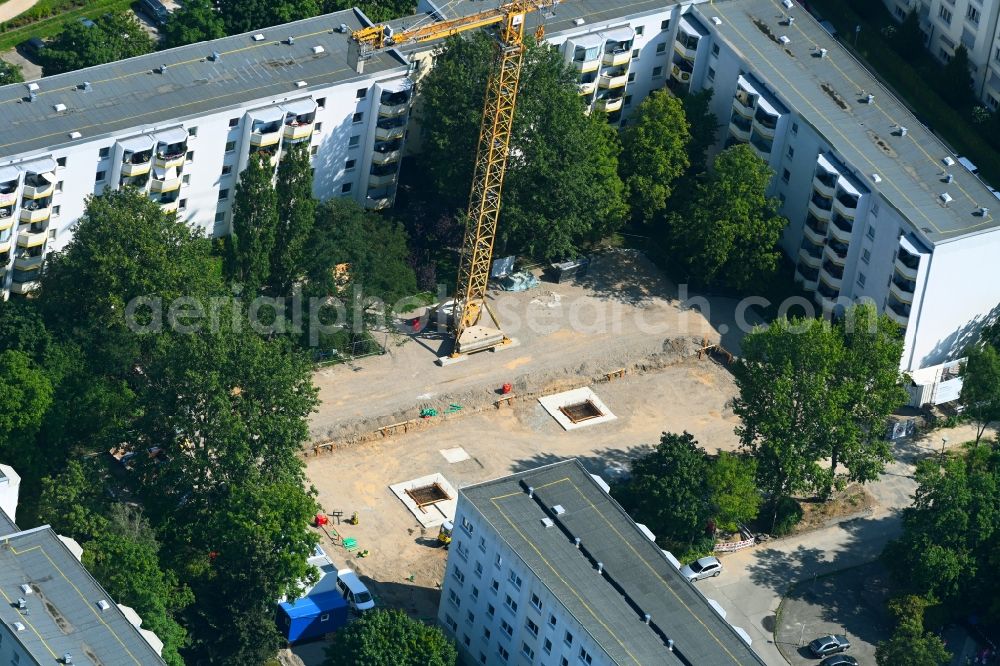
pixel 491 159
pixel 444 534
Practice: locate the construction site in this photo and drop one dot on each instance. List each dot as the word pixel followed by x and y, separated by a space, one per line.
pixel 396 436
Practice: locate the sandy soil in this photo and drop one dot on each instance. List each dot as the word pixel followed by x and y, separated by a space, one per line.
pixel 12 8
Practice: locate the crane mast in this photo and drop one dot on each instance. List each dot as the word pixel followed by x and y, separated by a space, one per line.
pixel 491 157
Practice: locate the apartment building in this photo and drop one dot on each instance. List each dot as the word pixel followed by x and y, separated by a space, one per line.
pixel 974 24
pixel 545 567
pixel 56 611
pixel 181 124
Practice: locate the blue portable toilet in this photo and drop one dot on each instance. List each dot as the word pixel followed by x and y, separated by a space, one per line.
pixel 311 616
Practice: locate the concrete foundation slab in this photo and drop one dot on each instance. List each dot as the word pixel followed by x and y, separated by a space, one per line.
pixel 578 408
pixel 455 455
pixel 428 515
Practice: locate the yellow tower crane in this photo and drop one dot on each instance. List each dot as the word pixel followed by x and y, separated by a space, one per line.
pixel 491 157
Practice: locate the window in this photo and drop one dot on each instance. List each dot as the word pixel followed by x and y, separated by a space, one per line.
pixel 223 194
pixel 482 544
pixel 490 610
pixel 661 48
pixel 495 586
pixel 631 77
pixel 506 628
pixel 710 74
pixel 871 232
pixel 354 141
pixel 636 53
pixel 487 633
pixel 515 580
pixel 227 169
pixel 61 161
pixel 15 658
pixel 504 655
pixel 498 562
pixel 233 122
pixel 345 188
pixel 639 29
pixel 875 208
pixel 182 204
pixel 192 131
pixel 466 640
pixel 463 550
pixel 52 234
pixel 657 72
pixel 457 575
pixel 527 651
pixel 568 638
pixel 450 621
pixel 479 569
pixel 944 14
pixel 866 255
pixel 220 216
pixel 996 54
pixel 627 101
pixel 230 146
pixel 795 128
pixel 715 49
pixel 585 657
pixel 317 128
pixel 552 620
pixel 56 210
pixel 861 279
pixel 547 646
pixel 190 155
pixel 466 523
pixel 362 93
pixel 453 598
pixel 186 179
pixel 665 24
pixel 482 658
pixel 791 152
pixel 993 102
pixel 563 661
pixel 358 117
pixel 944 55
pixel 470 617
pixel 531 627
pixel 785 175
pixel 313 150
pixel 972 14
pixel 321 102
pixel 511 604
pixel 101 175
pixel 475 592
pixel 105 151
pixel 536 602
pixel 59 186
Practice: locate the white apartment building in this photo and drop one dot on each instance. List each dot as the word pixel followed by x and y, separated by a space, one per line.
pixel 972 23
pixel 181 125
pixel 546 568
pixel 54 610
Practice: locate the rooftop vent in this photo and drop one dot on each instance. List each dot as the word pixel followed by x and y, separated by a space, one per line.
pixel 547 522
pixel 787 3
pixel 216 56
pixel 318 49
pixel 161 69
pixel 822 53
pixel 103 604
pixel 984 211
pixel 716 20
pixel 600 567
pixel 291 40
pixel 869 99
pixel 22 604
pixel 19 626
pixel 301 84
pixel 784 39
pixel 578 21
pixel 59 108
pixel 32 96
pixel 945 198
pixel 75 135
pixel 32 87
pixel 342 28
pixel 948 178
pixel 790 20
pixel 25 588
pixel 558 509
pixel 646 618
pixel 531 491
pixel 877 178
pixel 948 161
pixel 85 86
pixel 259 37
pixel 67 658
pixel 902 131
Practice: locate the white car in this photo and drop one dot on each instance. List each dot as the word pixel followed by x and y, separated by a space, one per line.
pixel 706 567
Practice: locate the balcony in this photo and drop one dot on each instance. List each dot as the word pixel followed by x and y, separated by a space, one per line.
pixel 764 123
pixel 744 104
pixel 29 238
pixel 393 110
pixel 265 134
pixel 388 129
pixel 136 164
pixel 841 229
pixel 906 264
pixel 836 252
pixel 815 229
pixel 386 157
pixel 618 56
pixel 820 208
pixel 832 274
pixel 898 312
pixel 681 72
pixel 686 45
pixel 609 104
pixel 761 145
pixel 807 276
pixel 298 131
pixel 38 186
pixel 590 65
pixel 824 183
pixel 902 290
pixel 6 218
pixel 36 211
pixel 381 180
pixel 27 263
pixel 848 207
pixel 739 127
pixel 5 246
pixel 378 202
pixel 811 255
pixel 25 282
pixel 613 79
pixel 171 156
pixel 587 88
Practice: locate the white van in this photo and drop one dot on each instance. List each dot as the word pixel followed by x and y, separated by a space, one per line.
pixel 354 591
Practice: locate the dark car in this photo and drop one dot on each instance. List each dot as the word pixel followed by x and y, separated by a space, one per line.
pixel 830 644
pixel 839 660
pixel 34 45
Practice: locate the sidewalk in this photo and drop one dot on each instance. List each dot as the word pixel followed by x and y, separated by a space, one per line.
pixel 12 8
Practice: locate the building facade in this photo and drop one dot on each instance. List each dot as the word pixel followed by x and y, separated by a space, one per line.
pixel 974 24
pixel 180 125
pixel 57 612
pixel 545 567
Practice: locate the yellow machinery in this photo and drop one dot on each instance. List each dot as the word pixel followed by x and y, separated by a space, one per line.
pixel 491 159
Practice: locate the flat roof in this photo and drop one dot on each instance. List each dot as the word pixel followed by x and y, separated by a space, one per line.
pixel 62 614
pixel 637 578
pixel 562 16
pixel 7 525
pixel 828 93
pixel 131 94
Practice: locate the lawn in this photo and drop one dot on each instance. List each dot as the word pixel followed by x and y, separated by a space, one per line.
pixel 47 17
pixel 911 84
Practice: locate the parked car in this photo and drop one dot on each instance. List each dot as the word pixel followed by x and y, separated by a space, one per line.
pixel 34 45
pixel 155 10
pixel 839 660
pixel 830 644
pixel 706 567
pixel 354 591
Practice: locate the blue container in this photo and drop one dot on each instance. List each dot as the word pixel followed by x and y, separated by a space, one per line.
pixel 311 617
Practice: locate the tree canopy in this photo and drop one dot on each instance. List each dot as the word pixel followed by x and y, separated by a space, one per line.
pixel 296 216
pixel 194 21
pixel 388 637
pixel 910 645
pixel 246 15
pixel 10 73
pixel 250 246
pixel 980 397
pixel 104 39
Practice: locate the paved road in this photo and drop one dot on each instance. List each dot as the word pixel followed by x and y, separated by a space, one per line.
pixel 12 8
pixel 754 581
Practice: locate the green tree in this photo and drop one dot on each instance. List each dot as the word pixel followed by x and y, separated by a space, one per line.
pixel 73 502
pixel 562 188
pixel 957 79
pixel 125 558
pixel 388 637
pixel 732 486
pixel 296 216
pixel 246 15
pixel 194 21
pixel 377 10
pixel 910 645
pixel 908 39
pixel 980 397
pixel 991 333
pixel 255 224
pixel 10 73
pixel 668 491
pixel 111 37
pixel 655 153
pixel 728 234
pixel 704 127
pixel 25 397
